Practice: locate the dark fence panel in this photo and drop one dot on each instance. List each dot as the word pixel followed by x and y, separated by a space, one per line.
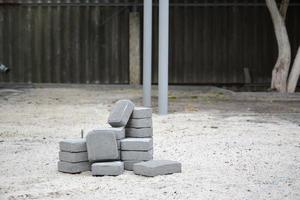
pixel 68 42
pixel 211 41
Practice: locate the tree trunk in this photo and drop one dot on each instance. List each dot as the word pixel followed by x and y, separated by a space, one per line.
pixel 283 8
pixel 294 74
pixel 281 68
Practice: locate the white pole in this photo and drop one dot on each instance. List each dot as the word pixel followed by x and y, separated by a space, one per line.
pixel 163 57
pixel 147 65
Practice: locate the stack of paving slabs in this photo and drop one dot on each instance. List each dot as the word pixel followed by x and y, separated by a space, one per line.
pixel 127 144
pixel 138 144
pixel 73 156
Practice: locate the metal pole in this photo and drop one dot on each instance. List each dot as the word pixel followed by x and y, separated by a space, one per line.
pixel 163 57
pixel 147 65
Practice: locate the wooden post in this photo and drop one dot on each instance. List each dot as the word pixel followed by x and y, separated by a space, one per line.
pixel 134 48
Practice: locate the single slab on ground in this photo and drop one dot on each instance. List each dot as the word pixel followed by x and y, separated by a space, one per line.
pixel 102 145
pixel 157 167
pixel 108 168
pixel 121 113
pixel 73 145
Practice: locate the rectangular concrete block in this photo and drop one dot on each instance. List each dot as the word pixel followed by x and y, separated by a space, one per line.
pixel 128 164
pixel 140 123
pixel 118 131
pixel 139 132
pixel 119 144
pixel 137 155
pixel 73 168
pixel 137 144
pixel 157 167
pixel 73 157
pixel 107 168
pixel 121 113
pixel 102 145
pixel 141 112
pixel 73 145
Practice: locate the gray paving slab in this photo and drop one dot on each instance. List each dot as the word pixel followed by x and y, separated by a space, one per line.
pixel 128 164
pixel 73 157
pixel 139 132
pixel 140 123
pixel 118 131
pixel 73 168
pixel 137 155
pixel 119 144
pixel 136 144
pixel 121 113
pixel 73 145
pixel 102 145
pixel 157 167
pixel 108 168
pixel 141 112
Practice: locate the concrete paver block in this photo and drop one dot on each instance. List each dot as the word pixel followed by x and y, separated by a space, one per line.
pixel 141 112
pixel 118 131
pixel 157 167
pixel 128 164
pixel 102 145
pixel 119 144
pixel 73 168
pixel 107 168
pixel 73 157
pixel 121 113
pixel 137 155
pixel 140 123
pixel 137 144
pixel 73 145
pixel 139 132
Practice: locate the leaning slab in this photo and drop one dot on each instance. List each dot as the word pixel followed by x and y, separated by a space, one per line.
pixel 73 145
pixel 128 164
pixel 108 168
pixel 137 155
pixel 157 167
pixel 121 113
pixel 102 145
pixel 73 157
pixel 140 123
pixel 141 112
pixel 136 144
pixel 73 168
pixel 139 132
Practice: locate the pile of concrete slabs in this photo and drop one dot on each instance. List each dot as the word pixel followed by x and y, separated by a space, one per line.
pixel 138 144
pixel 126 145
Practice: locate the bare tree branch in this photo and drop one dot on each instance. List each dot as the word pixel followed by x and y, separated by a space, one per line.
pixel 283 8
pixel 281 68
pixel 294 74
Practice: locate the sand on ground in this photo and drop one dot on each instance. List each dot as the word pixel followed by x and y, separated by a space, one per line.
pixel 231 145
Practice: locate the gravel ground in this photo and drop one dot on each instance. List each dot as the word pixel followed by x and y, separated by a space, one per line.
pixel 231 145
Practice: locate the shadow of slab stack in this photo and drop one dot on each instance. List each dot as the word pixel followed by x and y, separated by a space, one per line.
pixel 103 145
pixel 73 156
pixel 138 144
